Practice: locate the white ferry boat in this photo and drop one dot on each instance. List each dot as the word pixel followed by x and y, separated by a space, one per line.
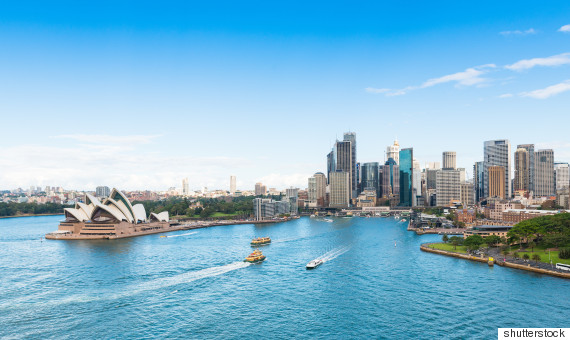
pixel 314 264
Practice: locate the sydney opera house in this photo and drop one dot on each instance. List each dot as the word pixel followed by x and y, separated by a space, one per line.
pixel 114 217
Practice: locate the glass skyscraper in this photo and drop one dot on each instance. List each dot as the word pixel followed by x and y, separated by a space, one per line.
pixel 478 181
pixel 370 177
pixel 406 177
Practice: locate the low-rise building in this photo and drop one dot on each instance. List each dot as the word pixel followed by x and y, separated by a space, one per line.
pixel 488 230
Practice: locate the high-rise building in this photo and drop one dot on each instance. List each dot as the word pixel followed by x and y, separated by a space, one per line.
pixel 544 173
pixel 321 189
pixel 561 176
pixel 432 165
pixel 478 181
pixel 431 178
pixel 370 177
pixel 448 187
pixel 522 170
pixel 312 190
pixel 260 189
pixel 344 160
pixel 232 185
pixel 393 151
pixel 351 137
pixel 531 176
pixel 496 181
pixel 449 160
pixel 339 189
pixel 406 177
pixel 185 187
pixel 390 178
pixel 102 191
pixel 331 163
pixel 416 184
pixel 497 153
pixel 467 194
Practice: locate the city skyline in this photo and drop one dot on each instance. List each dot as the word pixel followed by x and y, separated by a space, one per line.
pixel 115 97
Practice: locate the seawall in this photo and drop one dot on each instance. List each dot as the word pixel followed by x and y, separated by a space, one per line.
pixel 425 247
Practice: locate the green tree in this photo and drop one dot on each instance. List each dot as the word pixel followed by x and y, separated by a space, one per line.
pixel 445 238
pixel 536 258
pixel 526 256
pixel 456 241
pixel 516 255
pixel 473 242
pixel 492 240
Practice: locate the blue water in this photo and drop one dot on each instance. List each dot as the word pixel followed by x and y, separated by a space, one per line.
pixel 194 285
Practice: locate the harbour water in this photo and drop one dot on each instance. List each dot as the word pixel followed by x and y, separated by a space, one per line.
pixel 375 283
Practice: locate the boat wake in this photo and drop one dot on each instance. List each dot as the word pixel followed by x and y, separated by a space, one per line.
pixel 192 233
pixel 333 254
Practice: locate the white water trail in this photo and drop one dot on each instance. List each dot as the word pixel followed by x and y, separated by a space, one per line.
pixel 333 254
pixel 192 233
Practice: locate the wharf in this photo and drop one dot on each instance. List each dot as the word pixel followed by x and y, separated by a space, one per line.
pixel 440 231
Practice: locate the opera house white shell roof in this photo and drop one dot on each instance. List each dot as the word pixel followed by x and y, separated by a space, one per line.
pixel 115 208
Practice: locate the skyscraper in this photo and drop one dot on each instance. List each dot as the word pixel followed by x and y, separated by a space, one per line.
pixel 497 153
pixel 321 189
pixel 339 189
pixel 351 137
pixel 102 191
pixel 260 189
pixel 544 173
pixel 331 163
pixel 561 176
pixel 531 176
pixel 344 160
pixel 478 181
pixel 522 170
pixel 393 151
pixel 406 177
pixel 232 184
pixel 449 160
pixel 496 181
pixel 390 178
pixel 370 177
pixel 448 187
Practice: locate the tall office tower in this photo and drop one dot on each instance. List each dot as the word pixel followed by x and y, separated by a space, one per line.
pixel 431 178
pixel 449 160
pixel 544 173
pixel 393 151
pixel 321 190
pixel 406 177
pixel 432 165
pixel 232 185
pixel 185 187
pixel 344 160
pixel 497 153
pixel 358 177
pixel 351 137
pixel 561 176
pixel 102 191
pixel 448 187
pixel 478 181
pixel 259 189
pixel 370 177
pixel 292 194
pixel 390 178
pixel 462 174
pixel 467 194
pixel 331 163
pixel 339 189
pixel 522 170
pixel 496 181
pixel 531 176
pixel 312 189
pixel 416 183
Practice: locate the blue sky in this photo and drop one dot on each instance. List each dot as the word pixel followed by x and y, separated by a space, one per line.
pixel 139 95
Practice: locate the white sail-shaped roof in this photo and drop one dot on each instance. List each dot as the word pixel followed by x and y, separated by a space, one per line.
pixel 120 197
pixel 161 217
pixel 78 214
pixel 140 213
pixel 89 199
pixel 87 209
pixel 121 206
pixel 111 210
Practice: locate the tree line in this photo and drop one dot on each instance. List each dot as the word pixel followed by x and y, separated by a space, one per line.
pixel 176 206
pixel 16 209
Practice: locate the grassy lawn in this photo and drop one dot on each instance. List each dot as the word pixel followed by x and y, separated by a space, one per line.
pixel 543 255
pixel 449 247
pixel 220 214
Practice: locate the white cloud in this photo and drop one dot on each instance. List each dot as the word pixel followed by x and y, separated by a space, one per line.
pixel 549 91
pixel 519 32
pixel 469 77
pixel 297 180
pixel 506 95
pixel 555 60
pixel 565 29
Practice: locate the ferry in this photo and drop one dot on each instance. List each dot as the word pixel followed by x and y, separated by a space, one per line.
pixel 260 241
pixel 314 264
pixel 328 220
pixel 255 257
pixel 163 236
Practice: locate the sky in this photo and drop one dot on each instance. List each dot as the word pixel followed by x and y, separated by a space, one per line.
pixel 139 95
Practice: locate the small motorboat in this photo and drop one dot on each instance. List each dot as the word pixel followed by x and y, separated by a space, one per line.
pixel 314 264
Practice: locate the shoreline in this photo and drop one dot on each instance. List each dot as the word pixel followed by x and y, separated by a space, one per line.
pixel 425 247
pixel 32 215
